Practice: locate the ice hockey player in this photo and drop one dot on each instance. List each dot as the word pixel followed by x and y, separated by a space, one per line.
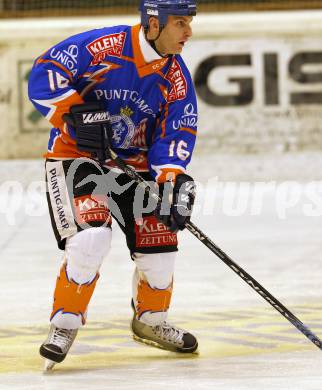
pixel 127 87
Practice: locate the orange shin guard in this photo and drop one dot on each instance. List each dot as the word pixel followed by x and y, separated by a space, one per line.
pixel 70 297
pixel 152 299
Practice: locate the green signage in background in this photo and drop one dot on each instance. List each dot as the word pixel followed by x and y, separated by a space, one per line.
pixel 30 120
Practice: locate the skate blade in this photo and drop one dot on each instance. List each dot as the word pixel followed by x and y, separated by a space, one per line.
pixel 150 343
pixel 154 344
pixel 49 365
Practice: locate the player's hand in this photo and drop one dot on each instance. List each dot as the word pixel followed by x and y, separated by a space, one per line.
pixel 93 128
pixel 175 207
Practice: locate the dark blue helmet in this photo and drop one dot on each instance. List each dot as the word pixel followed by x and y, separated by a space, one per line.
pixel 161 9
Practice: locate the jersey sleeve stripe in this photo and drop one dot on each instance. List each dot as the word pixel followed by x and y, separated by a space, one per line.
pixel 59 106
pixel 60 66
pixel 163 124
pixel 187 129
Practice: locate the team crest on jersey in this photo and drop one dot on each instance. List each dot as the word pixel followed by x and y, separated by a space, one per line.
pixel 111 45
pixel 178 82
pixel 125 133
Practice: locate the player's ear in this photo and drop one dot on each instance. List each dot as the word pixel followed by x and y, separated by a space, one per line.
pixel 153 26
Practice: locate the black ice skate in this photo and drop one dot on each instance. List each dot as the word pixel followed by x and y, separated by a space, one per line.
pixel 164 336
pixel 57 345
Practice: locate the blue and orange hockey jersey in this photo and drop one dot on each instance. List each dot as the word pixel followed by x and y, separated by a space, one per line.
pixel 151 99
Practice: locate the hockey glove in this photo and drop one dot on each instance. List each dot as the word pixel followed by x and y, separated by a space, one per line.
pixel 93 128
pixel 175 207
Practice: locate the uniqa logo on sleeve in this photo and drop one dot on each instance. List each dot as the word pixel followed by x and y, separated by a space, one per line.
pixel 111 45
pixel 67 57
pixel 189 118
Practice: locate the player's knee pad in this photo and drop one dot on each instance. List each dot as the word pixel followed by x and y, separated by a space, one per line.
pixel 85 252
pixel 156 268
pixel 152 286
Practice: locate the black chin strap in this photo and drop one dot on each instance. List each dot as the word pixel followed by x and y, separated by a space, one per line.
pixel 152 41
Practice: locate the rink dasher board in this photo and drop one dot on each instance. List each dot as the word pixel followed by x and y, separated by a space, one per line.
pixel 257 75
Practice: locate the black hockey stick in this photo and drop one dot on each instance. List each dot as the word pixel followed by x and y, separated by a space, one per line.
pixel 224 257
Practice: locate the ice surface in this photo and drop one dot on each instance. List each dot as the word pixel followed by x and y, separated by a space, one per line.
pixel 244 342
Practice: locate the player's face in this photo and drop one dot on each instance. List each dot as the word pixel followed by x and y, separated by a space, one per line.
pixel 175 35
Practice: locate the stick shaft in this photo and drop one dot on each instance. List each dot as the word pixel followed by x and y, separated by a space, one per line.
pixel 256 286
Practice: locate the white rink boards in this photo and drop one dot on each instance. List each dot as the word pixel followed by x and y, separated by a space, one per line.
pixel 257 76
pixel 244 342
